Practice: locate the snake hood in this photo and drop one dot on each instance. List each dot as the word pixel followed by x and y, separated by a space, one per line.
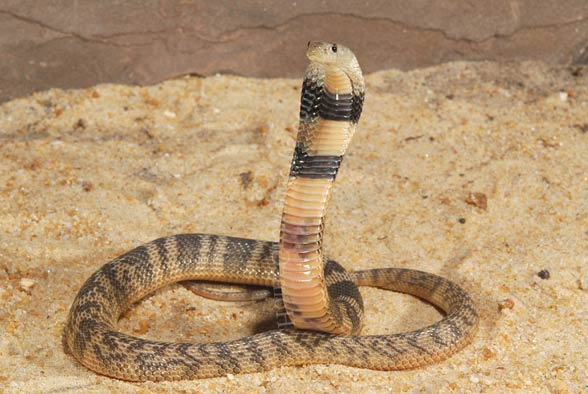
pixel 336 55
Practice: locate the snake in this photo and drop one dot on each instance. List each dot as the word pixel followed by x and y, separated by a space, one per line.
pixel 322 303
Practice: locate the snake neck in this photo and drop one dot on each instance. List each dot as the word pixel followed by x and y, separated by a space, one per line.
pixel 329 111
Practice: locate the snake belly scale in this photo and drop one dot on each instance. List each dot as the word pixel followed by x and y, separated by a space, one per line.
pixel 320 297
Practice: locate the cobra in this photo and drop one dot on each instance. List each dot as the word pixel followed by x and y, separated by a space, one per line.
pixel 321 298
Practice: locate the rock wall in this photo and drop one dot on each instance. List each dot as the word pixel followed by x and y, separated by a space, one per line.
pixel 76 44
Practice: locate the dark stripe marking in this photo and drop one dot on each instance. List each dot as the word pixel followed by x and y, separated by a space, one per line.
pixel 314 167
pixel 162 253
pixel 237 255
pixel 336 106
pixel 188 249
pixel 310 100
pixel 356 107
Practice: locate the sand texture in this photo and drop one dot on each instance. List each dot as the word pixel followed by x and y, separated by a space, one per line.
pixel 477 172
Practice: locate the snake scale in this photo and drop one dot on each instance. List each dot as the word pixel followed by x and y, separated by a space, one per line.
pixel 321 298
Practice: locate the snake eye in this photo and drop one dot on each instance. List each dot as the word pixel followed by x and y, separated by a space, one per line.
pixel 334 48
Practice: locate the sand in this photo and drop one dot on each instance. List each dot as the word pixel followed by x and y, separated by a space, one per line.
pixel 474 171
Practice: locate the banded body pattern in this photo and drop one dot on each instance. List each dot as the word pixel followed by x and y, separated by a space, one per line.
pixel 331 104
pixel 319 293
pixel 90 334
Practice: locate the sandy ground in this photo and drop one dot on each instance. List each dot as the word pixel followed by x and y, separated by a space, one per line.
pixel 477 172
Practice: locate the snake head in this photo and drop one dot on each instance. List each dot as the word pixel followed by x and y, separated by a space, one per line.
pixel 336 55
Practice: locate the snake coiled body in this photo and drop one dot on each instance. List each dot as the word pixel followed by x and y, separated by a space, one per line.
pixel 318 294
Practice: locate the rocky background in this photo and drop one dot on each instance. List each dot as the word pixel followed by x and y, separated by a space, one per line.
pixel 77 44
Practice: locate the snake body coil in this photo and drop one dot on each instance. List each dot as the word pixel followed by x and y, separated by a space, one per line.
pixel 318 293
